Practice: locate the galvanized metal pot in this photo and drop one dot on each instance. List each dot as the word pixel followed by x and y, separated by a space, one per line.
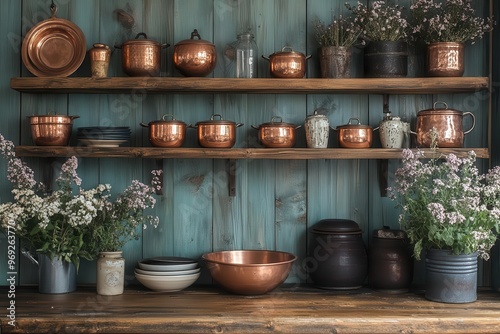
pixel 55 275
pixel 335 61
pixel 450 278
pixel 445 59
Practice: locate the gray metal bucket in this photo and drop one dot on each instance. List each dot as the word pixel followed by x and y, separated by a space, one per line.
pixel 450 278
pixel 54 276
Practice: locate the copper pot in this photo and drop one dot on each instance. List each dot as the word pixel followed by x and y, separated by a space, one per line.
pixel 195 57
pixel 446 124
pixel 217 133
pixel 141 57
pixel 51 130
pixel 287 63
pixel 166 132
pixel 277 133
pixel 355 135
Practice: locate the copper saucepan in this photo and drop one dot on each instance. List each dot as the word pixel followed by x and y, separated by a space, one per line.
pixel 217 133
pixel 141 57
pixel 167 132
pixel 195 57
pixel 354 134
pixel 287 63
pixel 277 133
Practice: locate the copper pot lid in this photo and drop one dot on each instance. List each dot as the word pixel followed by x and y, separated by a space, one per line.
pixel 192 40
pixel 219 121
pixel 53 47
pixel 439 111
pixel 354 124
pixel 337 226
pixel 276 121
pixel 167 119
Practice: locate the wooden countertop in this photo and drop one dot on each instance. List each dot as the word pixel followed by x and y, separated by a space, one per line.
pixel 289 309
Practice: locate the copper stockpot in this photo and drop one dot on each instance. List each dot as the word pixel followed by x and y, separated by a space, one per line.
pixel 287 63
pixel 217 133
pixel 277 133
pixel 166 132
pixel 249 272
pixel 51 130
pixel 141 57
pixel 446 123
pixel 195 57
pixel 355 135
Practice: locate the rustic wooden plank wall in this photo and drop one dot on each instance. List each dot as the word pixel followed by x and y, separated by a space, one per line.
pixel 276 202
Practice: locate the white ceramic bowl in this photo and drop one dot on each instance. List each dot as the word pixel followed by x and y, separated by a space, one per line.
pixel 157 266
pixel 167 273
pixel 167 283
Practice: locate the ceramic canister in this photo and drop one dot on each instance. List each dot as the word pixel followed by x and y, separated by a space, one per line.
pixel 337 257
pixel 317 129
pixel 393 132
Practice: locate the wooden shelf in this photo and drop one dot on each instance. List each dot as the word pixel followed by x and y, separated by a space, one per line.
pixel 288 309
pixel 232 153
pixel 142 85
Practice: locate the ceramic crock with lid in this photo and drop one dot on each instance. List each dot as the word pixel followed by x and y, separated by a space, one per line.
pixel 337 255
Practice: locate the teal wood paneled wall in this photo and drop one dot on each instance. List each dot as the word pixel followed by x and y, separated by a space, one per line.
pixel 276 202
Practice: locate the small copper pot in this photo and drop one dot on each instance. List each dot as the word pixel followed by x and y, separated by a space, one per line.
pixel 445 59
pixel 217 133
pixel 287 63
pixel 277 133
pixel 51 130
pixel 166 132
pixel 355 135
pixel 195 57
pixel 141 57
pixel 447 125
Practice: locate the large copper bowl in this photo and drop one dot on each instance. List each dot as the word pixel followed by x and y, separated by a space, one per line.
pixel 249 272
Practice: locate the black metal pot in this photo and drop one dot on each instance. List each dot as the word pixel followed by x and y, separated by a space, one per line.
pixel 384 59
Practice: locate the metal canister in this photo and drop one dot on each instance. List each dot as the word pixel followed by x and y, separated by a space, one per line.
pixel 337 257
pixel 99 60
pixel 317 129
pixel 390 264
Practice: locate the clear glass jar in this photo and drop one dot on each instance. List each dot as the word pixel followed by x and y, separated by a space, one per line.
pixel 246 56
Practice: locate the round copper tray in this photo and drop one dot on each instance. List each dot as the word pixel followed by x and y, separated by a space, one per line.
pixel 53 47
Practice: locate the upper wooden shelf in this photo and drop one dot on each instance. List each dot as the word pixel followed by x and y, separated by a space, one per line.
pixel 232 153
pixel 142 85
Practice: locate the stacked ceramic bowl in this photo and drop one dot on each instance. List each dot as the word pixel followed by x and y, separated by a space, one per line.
pixel 167 273
pixel 98 136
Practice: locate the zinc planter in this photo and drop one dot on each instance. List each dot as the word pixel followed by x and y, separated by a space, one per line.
pixel 450 278
pixel 335 61
pixel 386 59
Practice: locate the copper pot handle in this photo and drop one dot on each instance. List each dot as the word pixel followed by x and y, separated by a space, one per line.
pixel 473 121
pixel 195 34
pixel 266 58
pixel 440 102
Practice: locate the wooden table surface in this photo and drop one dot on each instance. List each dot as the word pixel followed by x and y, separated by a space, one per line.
pixel 210 310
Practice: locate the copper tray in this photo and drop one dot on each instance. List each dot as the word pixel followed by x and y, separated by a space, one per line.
pixel 53 47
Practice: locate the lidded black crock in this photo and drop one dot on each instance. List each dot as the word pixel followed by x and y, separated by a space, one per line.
pixel 337 257
pixel 390 264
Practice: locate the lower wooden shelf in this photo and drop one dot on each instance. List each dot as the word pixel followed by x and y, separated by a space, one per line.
pixel 232 153
pixel 288 309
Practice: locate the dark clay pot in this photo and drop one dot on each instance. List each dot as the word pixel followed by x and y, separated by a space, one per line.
pixel 384 59
pixel 338 258
pixel 390 264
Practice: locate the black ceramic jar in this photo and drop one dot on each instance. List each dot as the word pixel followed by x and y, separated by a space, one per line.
pixel 337 257
pixel 390 264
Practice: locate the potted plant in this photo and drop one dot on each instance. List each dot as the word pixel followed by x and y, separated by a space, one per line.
pixel 385 31
pixel 335 46
pixel 115 223
pixel 446 26
pixel 452 212
pixel 69 223
pixel 56 225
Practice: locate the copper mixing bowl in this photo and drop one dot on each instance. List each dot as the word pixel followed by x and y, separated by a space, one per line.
pixel 249 272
